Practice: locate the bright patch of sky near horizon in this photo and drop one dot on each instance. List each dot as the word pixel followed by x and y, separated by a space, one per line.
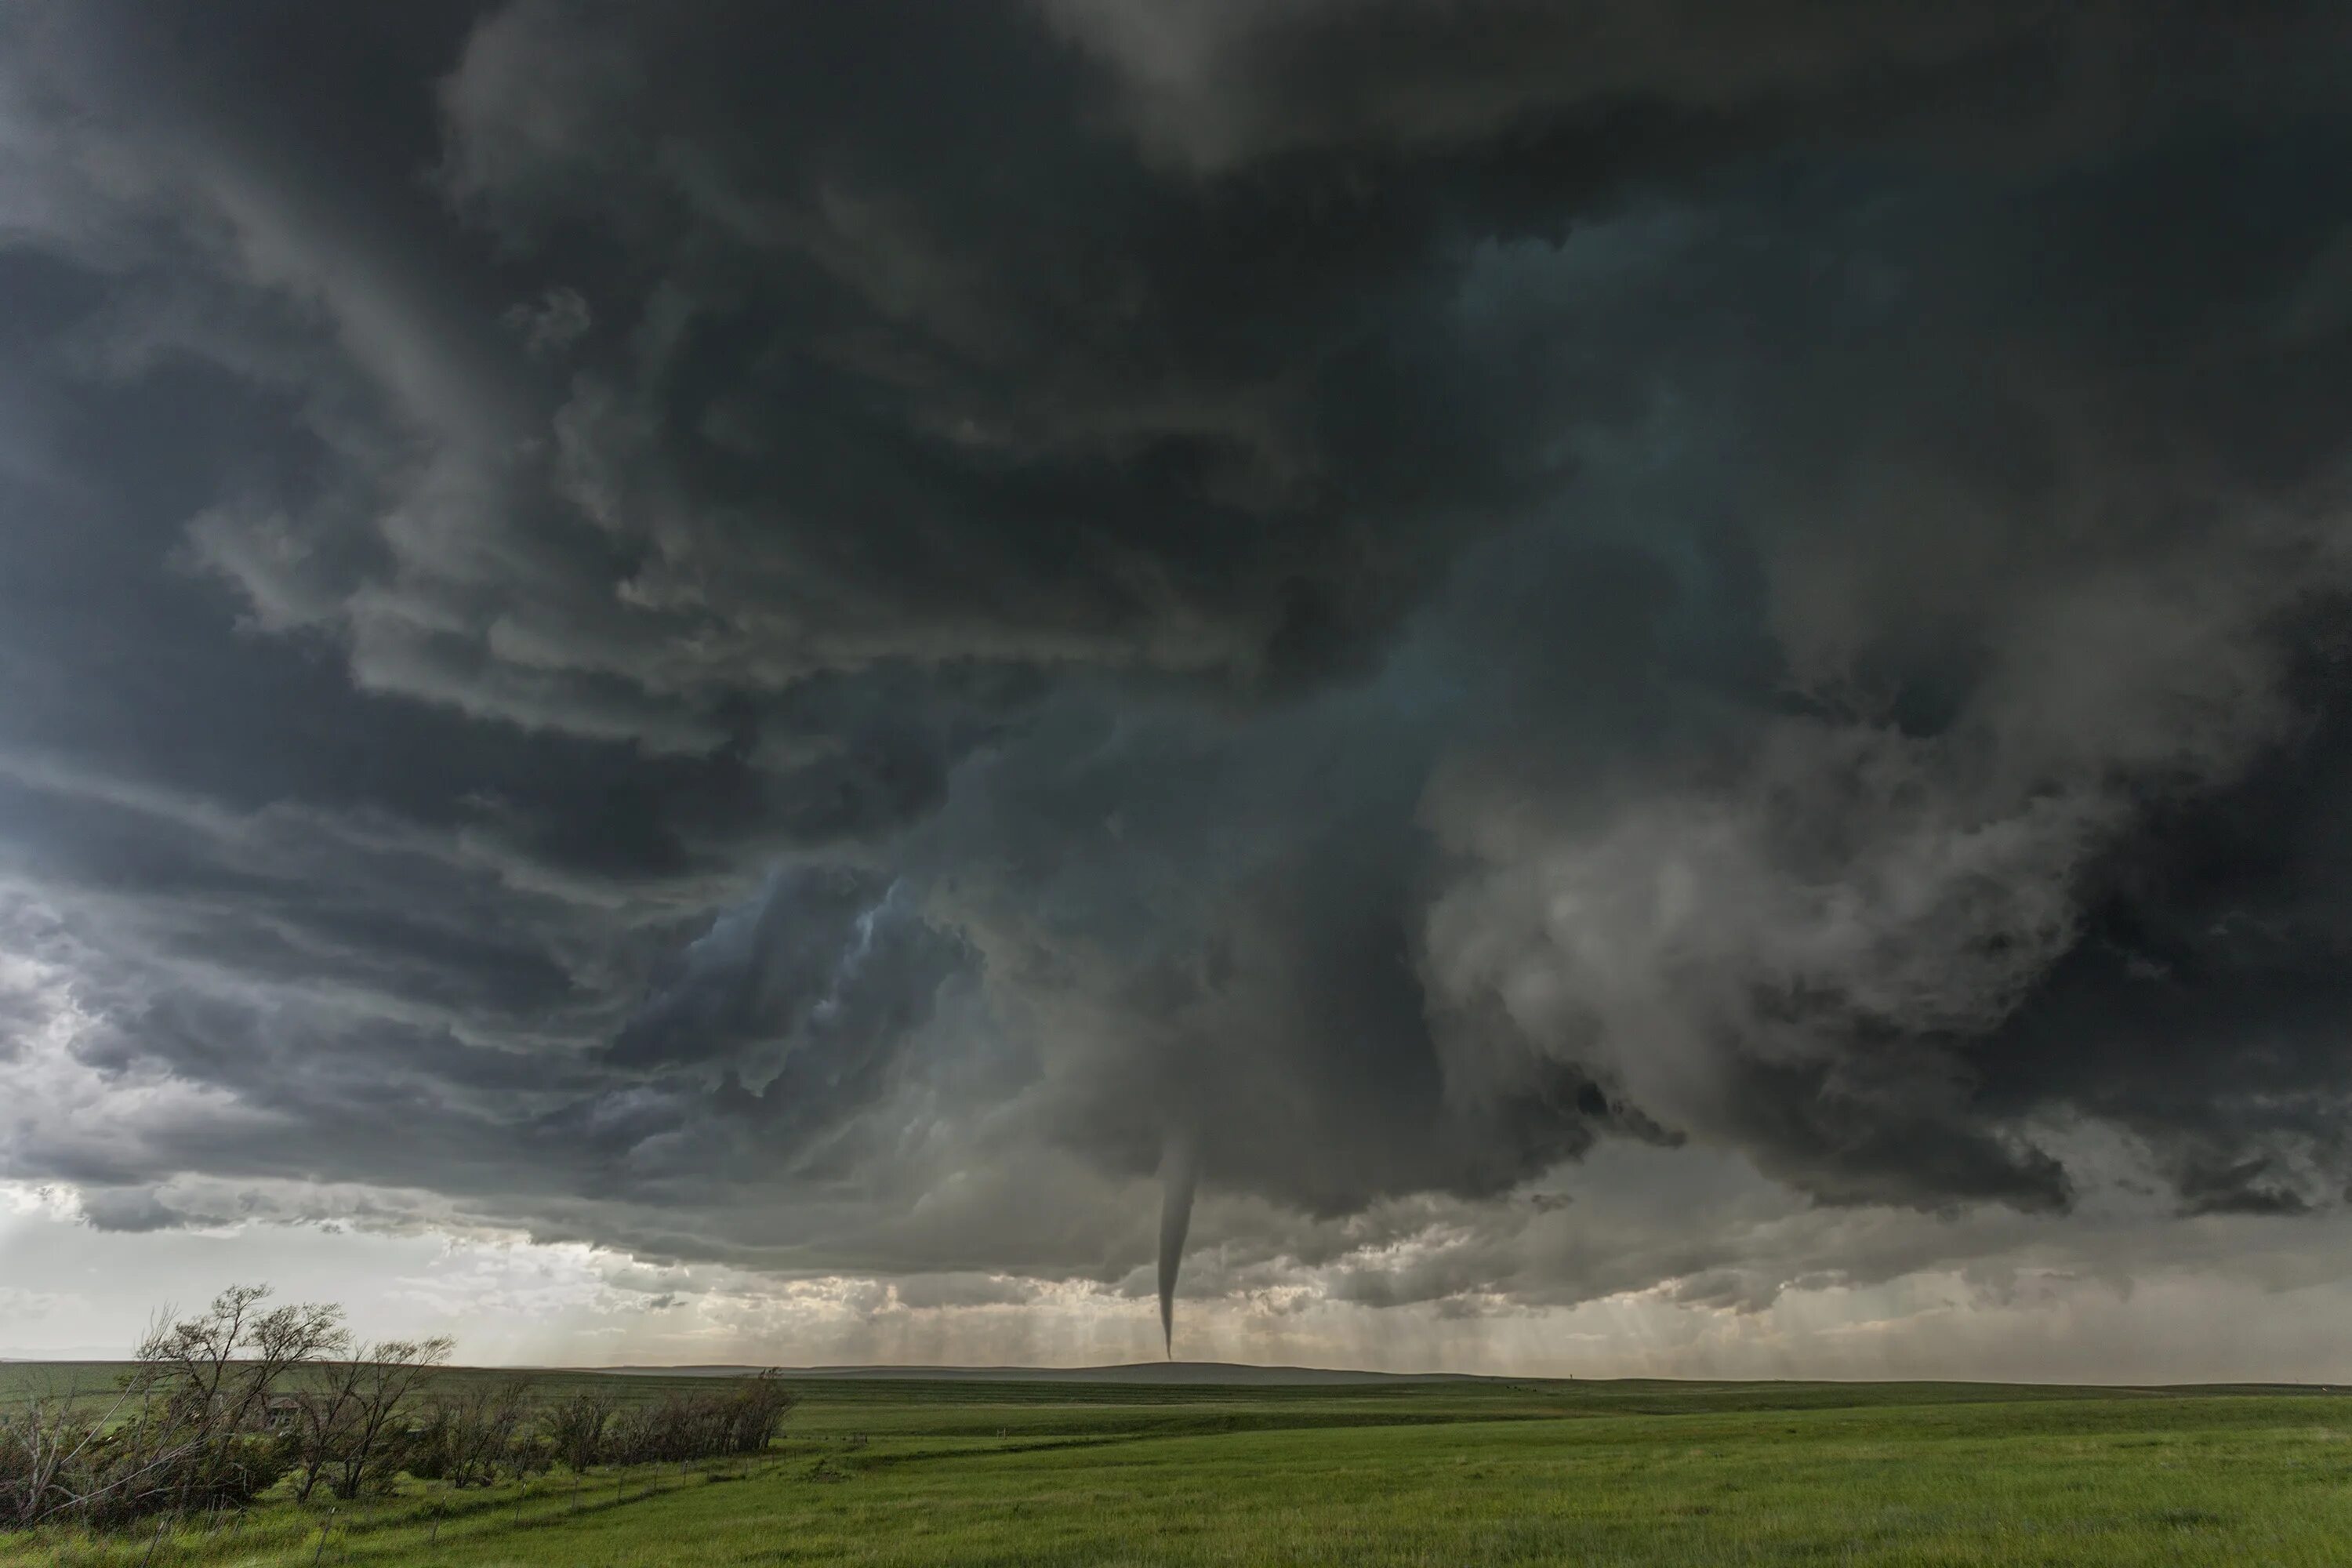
pixel 511 1302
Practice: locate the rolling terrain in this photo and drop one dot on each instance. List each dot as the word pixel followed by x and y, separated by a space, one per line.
pixel 924 1467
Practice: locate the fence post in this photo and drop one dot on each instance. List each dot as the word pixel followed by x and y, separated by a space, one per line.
pixel 160 1521
pixel 322 1539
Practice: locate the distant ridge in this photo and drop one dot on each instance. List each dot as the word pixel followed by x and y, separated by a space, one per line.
pixel 1141 1371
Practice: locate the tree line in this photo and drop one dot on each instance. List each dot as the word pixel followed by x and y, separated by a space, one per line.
pixel 217 1408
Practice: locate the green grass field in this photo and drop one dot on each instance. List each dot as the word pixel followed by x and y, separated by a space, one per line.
pixel 1447 1473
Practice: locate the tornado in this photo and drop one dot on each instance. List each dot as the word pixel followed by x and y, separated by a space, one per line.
pixel 1180 1170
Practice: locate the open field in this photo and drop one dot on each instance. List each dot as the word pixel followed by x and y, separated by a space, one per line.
pixel 966 1472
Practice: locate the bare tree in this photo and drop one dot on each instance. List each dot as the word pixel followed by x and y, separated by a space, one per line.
pixel 60 1458
pixel 213 1375
pixel 190 1360
pixel 42 1444
pixel 348 1426
pixel 469 1438
pixel 195 1361
pixel 577 1428
pixel 195 1421
pixel 322 1423
pixel 279 1342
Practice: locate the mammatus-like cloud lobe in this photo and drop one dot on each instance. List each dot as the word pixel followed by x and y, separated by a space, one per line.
pixel 882 639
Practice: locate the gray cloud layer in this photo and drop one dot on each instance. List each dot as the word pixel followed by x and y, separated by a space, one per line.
pixel 804 636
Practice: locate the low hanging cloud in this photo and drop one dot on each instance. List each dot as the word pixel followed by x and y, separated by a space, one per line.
pixel 807 640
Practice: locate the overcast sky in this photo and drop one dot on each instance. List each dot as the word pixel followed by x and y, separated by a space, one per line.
pixel 1601 687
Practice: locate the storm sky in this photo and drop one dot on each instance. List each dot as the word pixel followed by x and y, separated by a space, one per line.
pixel 1656 687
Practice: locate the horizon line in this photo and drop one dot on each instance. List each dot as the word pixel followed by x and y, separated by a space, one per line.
pixel 1011 1373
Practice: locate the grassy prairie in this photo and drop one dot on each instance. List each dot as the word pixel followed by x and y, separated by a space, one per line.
pixel 1048 1474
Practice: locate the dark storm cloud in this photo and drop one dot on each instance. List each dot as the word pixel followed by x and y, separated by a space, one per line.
pixel 1220 83
pixel 954 380
pixel 132 1210
pixel 757 632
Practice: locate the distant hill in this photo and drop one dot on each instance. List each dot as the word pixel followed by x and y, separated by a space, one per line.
pixel 1142 1371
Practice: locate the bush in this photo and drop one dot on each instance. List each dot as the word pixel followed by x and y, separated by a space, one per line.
pixel 578 1428
pixel 756 1411
pixel 58 1462
pixel 203 1421
pixel 742 1417
pixel 472 1439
